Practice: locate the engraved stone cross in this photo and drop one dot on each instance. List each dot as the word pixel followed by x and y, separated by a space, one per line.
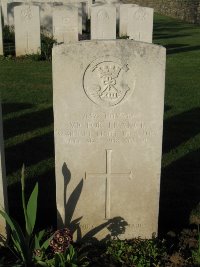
pixel 108 175
pixel 27 41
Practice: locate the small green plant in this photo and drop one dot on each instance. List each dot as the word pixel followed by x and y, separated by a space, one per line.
pixel 137 252
pixel 47 43
pixel 9 40
pixel 64 253
pixel 195 219
pixel 27 245
pixel 8 34
pixel 66 258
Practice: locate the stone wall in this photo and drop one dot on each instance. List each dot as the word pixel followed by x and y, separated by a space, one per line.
pixel 188 10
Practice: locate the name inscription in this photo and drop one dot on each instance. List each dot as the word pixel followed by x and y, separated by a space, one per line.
pixel 106 128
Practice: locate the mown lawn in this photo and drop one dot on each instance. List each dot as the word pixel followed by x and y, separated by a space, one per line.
pixel 26 93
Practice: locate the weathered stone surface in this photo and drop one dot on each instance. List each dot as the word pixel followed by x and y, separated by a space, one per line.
pixel 65 24
pixel 123 18
pixel 4 10
pixel 140 24
pixel 108 136
pixel 1 34
pixel 45 12
pixel 27 30
pixel 89 5
pixel 81 13
pixel 3 184
pixel 114 3
pixel 103 22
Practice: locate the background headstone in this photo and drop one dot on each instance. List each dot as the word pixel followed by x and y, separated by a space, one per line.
pixel 140 24
pixel 27 30
pixel 3 184
pixel 1 34
pixel 65 24
pixel 45 12
pixel 83 6
pixel 108 136
pixel 114 3
pixel 103 22
pixel 4 10
pixel 123 18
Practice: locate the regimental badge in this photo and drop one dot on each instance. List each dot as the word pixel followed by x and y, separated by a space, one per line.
pixel 26 13
pixel 106 82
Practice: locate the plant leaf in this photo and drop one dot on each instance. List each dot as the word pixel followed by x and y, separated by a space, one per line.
pixel 32 208
pixel 46 243
pixel 41 263
pixel 28 227
pixel 40 235
pixel 17 235
pixel 36 243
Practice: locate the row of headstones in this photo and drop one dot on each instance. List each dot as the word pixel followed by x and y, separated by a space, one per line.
pixel 134 21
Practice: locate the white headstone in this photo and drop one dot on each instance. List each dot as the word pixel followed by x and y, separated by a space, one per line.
pixel 123 18
pixel 65 24
pixel 140 24
pixel 4 10
pixel 45 13
pixel 3 184
pixel 113 3
pixel 108 136
pixel 103 22
pixel 82 12
pixel 1 34
pixel 27 30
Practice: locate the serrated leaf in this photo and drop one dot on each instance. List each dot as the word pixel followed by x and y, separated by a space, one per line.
pixel 32 208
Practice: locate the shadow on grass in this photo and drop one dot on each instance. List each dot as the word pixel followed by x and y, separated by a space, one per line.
pixel 171 25
pixel 180 187
pixel 168 29
pixel 30 152
pixel 46 215
pixel 178 49
pixel 157 36
pixel 167 108
pixel 14 107
pixel 180 192
pixel 27 122
pixel 180 128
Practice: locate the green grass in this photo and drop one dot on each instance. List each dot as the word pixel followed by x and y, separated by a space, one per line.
pixel 26 93
pixel 180 187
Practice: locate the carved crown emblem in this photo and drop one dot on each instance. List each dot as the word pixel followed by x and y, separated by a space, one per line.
pixel 108 70
pixel 105 83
